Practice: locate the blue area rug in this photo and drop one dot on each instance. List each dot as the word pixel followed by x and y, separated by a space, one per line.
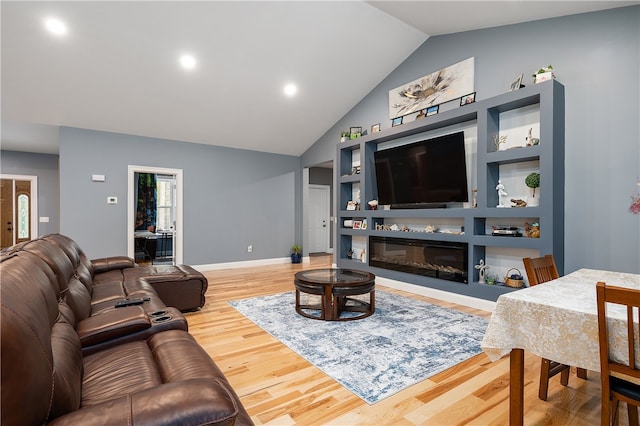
pixel 404 342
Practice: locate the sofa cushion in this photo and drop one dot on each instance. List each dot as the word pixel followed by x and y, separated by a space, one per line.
pixel 29 312
pixel 117 371
pixel 67 369
pixel 78 298
pixel 56 258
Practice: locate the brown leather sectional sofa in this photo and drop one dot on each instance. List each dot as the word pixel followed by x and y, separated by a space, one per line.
pixel 70 356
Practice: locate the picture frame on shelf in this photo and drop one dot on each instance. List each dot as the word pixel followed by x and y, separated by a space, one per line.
pixel 468 99
pixel 357 224
pixel 517 83
pixel 355 132
pixel 375 128
pixel 396 121
pixel 433 110
pixel 351 205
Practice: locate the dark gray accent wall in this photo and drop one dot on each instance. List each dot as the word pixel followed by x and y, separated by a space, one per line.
pixel 596 56
pixel 45 167
pixel 232 198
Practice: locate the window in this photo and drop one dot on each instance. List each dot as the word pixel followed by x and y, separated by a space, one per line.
pixel 23 216
pixel 165 202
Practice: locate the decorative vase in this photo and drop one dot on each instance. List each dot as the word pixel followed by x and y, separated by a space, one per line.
pixel 533 200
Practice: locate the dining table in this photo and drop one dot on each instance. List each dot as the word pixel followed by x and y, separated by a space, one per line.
pixel 557 320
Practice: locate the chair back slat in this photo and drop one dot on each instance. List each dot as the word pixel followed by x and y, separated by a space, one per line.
pixel 631 338
pixel 540 269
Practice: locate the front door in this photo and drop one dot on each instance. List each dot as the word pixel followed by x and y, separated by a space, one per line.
pixel 15 211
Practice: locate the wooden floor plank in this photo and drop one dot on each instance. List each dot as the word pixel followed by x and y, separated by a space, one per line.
pixel 278 387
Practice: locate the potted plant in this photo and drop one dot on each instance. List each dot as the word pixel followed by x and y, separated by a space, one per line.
pixel 533 182
pixel 296 254
pixel 543 74
pixel 344 136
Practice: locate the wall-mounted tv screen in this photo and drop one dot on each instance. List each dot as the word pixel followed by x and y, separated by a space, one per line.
pixel 433 171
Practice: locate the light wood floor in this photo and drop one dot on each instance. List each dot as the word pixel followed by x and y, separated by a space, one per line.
pixel 278 387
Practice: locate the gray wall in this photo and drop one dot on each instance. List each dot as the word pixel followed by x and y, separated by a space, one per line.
pixel 45 167
pixel 232 197
pixel 596 58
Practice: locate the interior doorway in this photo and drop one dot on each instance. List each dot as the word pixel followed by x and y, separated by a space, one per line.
pixel 318 209
pixel 18 209
pixel 319 218
pixel 154 209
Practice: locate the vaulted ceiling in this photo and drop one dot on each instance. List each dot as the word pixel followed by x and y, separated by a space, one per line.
pixel 117 66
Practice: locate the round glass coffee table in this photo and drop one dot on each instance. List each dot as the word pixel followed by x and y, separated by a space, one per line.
pixel 334 286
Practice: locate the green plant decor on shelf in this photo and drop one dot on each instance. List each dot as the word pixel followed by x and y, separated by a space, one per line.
pixel 533 182
pixel 542 71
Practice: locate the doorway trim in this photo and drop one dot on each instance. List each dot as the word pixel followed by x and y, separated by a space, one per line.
pixel 33 220
pixel 131 205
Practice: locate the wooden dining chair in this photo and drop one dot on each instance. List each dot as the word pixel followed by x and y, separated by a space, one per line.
pixel 617 378
pixel 540 270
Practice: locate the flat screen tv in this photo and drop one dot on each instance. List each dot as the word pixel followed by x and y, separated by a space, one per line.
pixel 428 173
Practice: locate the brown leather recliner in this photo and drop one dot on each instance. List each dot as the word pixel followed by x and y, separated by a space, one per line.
pixel 165 378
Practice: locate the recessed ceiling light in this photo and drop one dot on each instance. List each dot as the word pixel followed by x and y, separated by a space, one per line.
pixel 55 26
pixel 188 62
pixel 290 89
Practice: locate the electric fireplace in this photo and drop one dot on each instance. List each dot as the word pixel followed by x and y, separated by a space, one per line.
pixel 438 259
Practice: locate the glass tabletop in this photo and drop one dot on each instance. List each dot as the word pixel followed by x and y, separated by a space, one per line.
pixel 335 276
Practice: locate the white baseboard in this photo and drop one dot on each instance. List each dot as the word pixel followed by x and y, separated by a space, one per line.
pixel 460 299
pixel 246 264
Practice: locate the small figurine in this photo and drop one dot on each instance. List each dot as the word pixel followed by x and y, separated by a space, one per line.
pixel 501 193
pixel 481 267
pixel 531 141
pixel 430 229
pixel 533 230
pixel 518 202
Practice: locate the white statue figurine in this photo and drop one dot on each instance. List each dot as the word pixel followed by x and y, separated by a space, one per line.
pixel 501 193
pixel 481 267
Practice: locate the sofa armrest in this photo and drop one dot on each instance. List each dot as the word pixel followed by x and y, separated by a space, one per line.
pixel 111 324
pixel 105 264
pixel 195 401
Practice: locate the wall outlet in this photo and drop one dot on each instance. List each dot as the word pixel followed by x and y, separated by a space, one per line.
pixel 112 200
pixel 249 248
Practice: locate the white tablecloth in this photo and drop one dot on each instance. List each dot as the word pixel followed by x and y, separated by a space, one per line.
pixel 558 320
